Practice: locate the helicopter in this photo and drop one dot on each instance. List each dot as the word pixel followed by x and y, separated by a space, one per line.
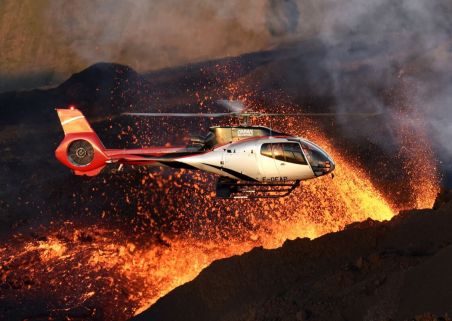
pixel 251 161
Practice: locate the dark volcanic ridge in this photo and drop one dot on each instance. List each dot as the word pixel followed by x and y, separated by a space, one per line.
pixel 372 270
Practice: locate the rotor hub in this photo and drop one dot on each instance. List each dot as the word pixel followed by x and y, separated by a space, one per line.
pixel 80 152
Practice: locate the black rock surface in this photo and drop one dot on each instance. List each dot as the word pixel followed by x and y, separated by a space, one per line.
pixel 370 271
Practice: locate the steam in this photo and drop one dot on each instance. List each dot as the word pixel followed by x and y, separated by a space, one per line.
pixel 375 47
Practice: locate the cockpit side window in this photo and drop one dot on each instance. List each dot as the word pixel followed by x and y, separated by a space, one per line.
pixel 278 152
pixel 266 150
pixel 293 153
pixel 285 152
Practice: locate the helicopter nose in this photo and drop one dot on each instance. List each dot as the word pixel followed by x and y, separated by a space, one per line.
pixel 327 166
pixel 324 167
pixel 331 163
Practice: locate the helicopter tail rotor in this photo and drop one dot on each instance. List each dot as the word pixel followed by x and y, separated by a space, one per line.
pixel 81 149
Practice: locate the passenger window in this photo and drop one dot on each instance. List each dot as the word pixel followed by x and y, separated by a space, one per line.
pixel 266 150
pixel 278 152
pixel 293 153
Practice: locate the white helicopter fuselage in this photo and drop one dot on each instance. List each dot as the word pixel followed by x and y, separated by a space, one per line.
pixel 262 160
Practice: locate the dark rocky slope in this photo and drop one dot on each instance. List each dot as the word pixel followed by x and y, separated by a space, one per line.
pixel 370 271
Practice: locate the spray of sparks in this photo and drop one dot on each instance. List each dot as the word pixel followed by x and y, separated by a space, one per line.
pixel 100 273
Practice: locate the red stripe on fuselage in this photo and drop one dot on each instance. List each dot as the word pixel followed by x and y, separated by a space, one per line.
pixel 151 151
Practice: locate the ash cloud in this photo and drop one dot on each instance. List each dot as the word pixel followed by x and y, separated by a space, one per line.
pixel 382 46
pixel 283 17
pixel 66 36
pixel 153 34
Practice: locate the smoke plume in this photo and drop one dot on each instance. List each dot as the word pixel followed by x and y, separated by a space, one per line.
pixel 393 57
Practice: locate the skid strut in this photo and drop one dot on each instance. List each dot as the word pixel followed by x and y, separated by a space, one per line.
pixel 227 188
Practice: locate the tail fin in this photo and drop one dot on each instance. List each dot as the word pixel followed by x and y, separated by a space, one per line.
pixel 73 121
pixel 81 149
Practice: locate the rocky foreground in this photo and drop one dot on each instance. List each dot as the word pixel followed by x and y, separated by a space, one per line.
pixel 396 270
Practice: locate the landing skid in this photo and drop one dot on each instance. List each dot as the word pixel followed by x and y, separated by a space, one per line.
pixel 227 188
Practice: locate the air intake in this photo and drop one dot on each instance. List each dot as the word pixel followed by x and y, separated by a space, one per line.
pixel 80 152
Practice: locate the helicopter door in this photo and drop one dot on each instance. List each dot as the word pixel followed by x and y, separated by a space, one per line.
pixel 267 166
pixel 290 161
pixel 240 161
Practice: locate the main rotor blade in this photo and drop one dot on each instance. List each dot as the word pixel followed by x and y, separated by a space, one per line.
pixel 249 114
pixel 179 114
pixel 322 114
